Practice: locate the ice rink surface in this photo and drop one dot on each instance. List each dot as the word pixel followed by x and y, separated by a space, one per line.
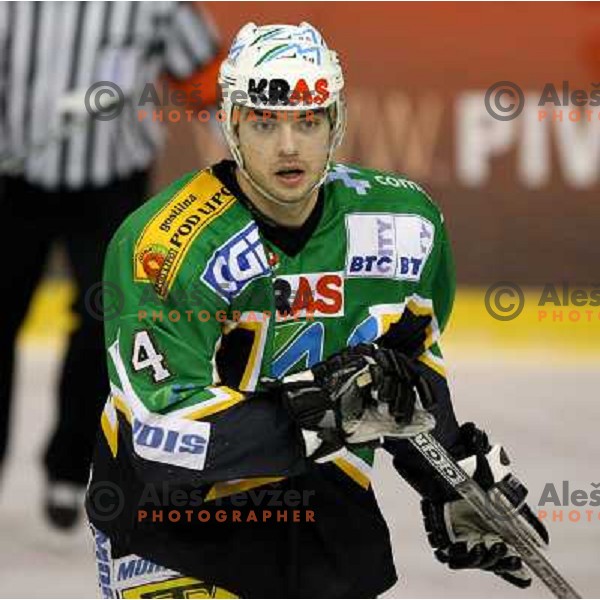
pixel 547 416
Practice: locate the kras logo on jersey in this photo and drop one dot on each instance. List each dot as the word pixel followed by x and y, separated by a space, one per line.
pixel 388 245
pixel 236 263
pixel 310 295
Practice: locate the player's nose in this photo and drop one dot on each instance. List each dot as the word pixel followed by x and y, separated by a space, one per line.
pixel 288 139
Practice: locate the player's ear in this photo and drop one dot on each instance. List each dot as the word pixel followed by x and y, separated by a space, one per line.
pixel 331 115
pixel 237 114
pixel 337 125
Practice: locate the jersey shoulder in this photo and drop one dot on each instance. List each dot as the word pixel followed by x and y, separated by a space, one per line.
pixel 360 188
pixel 176 231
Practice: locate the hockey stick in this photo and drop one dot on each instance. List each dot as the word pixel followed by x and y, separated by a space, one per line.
pixel 502 514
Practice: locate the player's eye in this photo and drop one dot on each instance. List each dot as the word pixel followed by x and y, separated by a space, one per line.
pixel 265 126
pixel 309 124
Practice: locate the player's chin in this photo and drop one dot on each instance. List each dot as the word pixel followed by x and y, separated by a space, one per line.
pixel 290 198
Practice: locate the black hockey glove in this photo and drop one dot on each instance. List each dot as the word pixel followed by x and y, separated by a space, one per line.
pixel 463 540
pixel 356 396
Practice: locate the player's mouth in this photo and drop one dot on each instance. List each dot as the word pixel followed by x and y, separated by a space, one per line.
pixel 291 176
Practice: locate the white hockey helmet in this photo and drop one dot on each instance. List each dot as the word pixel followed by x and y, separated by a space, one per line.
pixel 281 67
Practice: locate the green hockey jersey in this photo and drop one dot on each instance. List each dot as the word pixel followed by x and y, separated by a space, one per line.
pixel 210 302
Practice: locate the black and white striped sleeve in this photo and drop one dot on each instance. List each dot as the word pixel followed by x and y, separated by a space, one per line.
pixel 192 40
pixel 4 49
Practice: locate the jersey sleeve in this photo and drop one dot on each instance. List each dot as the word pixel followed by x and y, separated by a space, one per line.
pixel 418 334
pixel 443 282
pixel 440 287
pixel 167 411
pixel 193 54
pixel 192 41
pixel 429 304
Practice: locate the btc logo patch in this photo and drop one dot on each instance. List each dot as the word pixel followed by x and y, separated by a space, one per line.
pixel 312 294
pixel 388 245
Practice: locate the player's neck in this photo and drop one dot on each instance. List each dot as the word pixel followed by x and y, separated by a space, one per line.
pixel 293 215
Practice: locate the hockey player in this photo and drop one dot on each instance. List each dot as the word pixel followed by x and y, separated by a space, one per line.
pixel 281 320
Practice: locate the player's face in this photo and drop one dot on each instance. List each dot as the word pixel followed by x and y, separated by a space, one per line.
pixel 286 151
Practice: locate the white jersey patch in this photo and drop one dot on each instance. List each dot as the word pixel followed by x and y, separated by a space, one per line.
pixel 388 245
pixel 162 438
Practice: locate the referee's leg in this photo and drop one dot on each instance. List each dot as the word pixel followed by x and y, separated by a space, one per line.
pixel 95 214
pixel 26 241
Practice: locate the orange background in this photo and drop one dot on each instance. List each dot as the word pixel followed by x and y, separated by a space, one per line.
pixel 409 67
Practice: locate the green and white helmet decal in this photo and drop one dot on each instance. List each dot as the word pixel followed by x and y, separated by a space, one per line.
pixel 281 67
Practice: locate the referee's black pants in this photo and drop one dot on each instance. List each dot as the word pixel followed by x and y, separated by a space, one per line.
pixel 84 220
